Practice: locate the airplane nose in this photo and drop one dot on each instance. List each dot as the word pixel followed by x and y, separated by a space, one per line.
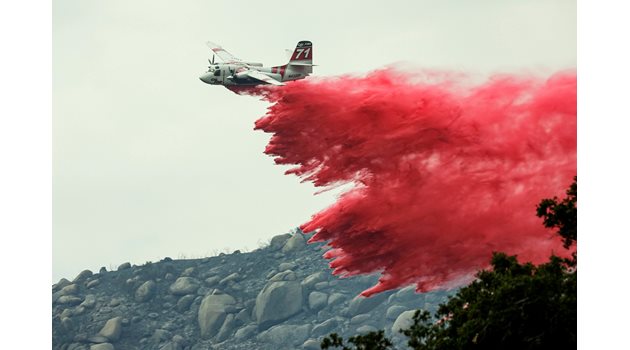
pixel 205 77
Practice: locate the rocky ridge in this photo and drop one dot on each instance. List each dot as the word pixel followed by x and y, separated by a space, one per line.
pixel 282 296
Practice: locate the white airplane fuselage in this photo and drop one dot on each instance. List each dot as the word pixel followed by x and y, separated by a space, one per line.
pixel 228 74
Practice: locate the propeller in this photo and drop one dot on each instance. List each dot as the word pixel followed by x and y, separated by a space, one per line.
pixel 211 62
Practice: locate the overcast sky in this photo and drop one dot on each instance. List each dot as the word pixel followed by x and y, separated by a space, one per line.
pixel 150 162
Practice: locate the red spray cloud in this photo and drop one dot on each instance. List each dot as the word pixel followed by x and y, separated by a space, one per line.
pixel 445 173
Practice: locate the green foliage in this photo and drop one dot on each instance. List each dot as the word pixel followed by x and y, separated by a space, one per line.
pixel 369 341
pixel 512 306
pixel 561 215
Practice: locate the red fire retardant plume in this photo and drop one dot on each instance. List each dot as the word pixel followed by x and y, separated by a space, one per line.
pixel 444 173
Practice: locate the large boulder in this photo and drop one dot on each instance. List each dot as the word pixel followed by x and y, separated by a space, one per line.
pixel 92 283
pixel 231 278
pixel 317 300
pixel 145 291
pixel 212 313
pixel 89 302
pixel 394 311
pixel 405 295
pixel 296 242
pixel 245 332
pixel 242 317
pixel 67 324
pixel 311 344
pixel 112 329
pixel 188 272
pixel 322 285
pixel 183 304
pixel 325 327
pixel 69 300
pixel 124 266
pixel 184 285
pixel 286 336
pixel 309 282
pixel 59 285
pixel 404 321
pixel 361 305
pixel 277 242
pixel 83 275
pixel 212 281
pixel 71 289
pixel 287 275
pixel 366 329
pixel 360 319
pixel 336 298
pixel 276 302
pixel 97 339
pixel 102 346
pixel 227 328
pixel 66 313
pixel 286 266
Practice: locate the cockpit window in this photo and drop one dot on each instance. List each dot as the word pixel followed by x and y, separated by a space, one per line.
pixel 216 67
pixel 217 73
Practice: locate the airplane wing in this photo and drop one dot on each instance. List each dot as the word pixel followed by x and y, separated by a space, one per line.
pixel 224 55
pixel 262 77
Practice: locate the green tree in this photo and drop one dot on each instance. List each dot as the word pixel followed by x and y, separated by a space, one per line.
pixel 561 215
pixel 369 341
pixel 511 306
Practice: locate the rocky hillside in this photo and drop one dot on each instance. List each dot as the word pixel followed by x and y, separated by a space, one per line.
pixel 282 296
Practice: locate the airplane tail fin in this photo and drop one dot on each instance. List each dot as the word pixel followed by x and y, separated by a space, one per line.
pixel 302 57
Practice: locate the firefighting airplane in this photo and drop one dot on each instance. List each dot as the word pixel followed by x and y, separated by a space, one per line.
pixel 234 72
